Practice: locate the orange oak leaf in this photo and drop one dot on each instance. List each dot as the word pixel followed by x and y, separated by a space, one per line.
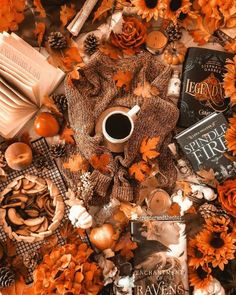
pixel 39 8
pixel 125 246
pixel 174 210
pixel 146 90
pixel 49 103
pixel 100 162
pixel 148 148
pixel 67 135
pixel 76 163
pixel 67 13
pixel 102 10
pixel 39 32
pixel 110 51
pixel 123 79
pixel 139 170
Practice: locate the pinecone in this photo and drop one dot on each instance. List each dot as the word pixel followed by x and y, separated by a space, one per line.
pixel 91 44
pixel 7 277
pixel 57 41
pixel 61 102
pixel 31 259
pixel 174 32
pixel 57 150
pixel 40 163
pixel 208 210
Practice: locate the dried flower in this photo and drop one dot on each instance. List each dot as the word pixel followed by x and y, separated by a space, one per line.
pixel 227 196
pixel 67 270
pixel 133 35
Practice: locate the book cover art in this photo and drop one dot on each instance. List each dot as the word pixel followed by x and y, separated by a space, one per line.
pixel 202 85
pixel 204 145
pixel 160 261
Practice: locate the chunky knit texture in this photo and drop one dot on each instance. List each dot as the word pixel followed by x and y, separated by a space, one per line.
pixel 96 91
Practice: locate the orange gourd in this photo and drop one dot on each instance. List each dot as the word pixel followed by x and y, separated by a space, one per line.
pixel 174 53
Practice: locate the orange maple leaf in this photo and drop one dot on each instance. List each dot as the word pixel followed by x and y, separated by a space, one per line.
pixel 49 103
pixel 102 10
pixel 123 79
pixel 71 58
pixel 76 163
pixel 11 14
pixel 39 32
pixel 110 51
pixel 67 13
pixel 39 8
pixel 139 170
pixel 174 210
pixel 148 148
pixel 100 162
pixel 125 246
pixel 67 135
pixel 146 90
pixel 200 33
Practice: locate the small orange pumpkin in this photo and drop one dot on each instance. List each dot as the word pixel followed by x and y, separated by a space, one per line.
pixel 174 53
pixel 103 237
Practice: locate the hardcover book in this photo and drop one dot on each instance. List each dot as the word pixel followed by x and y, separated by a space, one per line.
pixel 204 145
pixel 202 90
pixel 160 261
pixel 25 78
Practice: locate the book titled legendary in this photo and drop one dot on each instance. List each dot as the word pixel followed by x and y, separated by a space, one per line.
pixel 202 90
pixel 160 261
pixel 204 145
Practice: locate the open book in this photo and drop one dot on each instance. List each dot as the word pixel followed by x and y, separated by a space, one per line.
pixel 25 78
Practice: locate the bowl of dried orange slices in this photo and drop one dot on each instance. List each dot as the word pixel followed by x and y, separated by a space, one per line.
pixel 31 208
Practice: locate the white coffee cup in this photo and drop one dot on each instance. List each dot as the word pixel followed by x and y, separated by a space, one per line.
pixel 118 126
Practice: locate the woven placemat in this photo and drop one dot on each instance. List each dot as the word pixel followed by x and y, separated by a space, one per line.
pixel 51 172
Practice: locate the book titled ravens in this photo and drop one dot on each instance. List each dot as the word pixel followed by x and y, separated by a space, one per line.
pixel 202 90
pixel 160 261
pixel 204 145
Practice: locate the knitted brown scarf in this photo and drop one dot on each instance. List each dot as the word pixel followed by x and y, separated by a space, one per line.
pixel 95 91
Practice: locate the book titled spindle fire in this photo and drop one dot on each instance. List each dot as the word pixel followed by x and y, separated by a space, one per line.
pixel 204 145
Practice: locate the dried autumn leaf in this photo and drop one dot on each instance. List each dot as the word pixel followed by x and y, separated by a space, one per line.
pixel 185 187
pixel 76 163
pixel 11 14
pixel 102 10
pixel 19 288
pixel 208 177
pixel 71 58
pixel 200 34
pixel 67 135
pixel 25 137
pixel 39 8
pixel 139 170
pixel 123 79
pixel 146 90
pixel 148 148
pixel 174 210
pixel 100 162
pixel 10 247
pixel 49 103
pixel 110 51
pixel 67 13
pixel 125 246
pixel 39 32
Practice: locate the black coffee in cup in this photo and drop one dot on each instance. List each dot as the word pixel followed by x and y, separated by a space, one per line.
pixel 118 126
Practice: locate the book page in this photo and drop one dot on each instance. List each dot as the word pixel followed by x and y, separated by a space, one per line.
pixel 14 94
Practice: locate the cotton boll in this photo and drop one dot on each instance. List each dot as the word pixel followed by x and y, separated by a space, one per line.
pixel 203 192
pixel 79 217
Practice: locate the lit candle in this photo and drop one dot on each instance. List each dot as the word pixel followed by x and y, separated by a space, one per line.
pixel 156 42
pixel 158 202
